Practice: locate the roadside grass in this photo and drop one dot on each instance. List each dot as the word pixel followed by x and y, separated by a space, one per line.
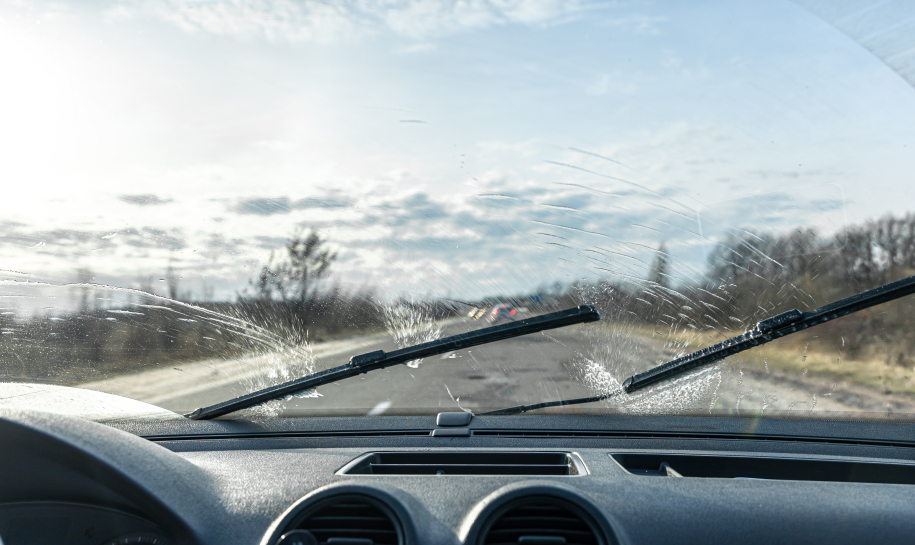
pixel 876 366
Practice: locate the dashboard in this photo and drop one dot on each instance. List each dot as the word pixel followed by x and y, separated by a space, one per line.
pixel 532 479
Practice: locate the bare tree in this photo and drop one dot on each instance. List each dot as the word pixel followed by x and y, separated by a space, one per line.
pixel 660 269
pixel 264 284
pixel 295 277
pixel 287 287
pixel 207 290
pixel 308 261
pixel 172 280
pixel 84 276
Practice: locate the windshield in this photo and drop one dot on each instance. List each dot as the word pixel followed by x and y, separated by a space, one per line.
pixel 202 199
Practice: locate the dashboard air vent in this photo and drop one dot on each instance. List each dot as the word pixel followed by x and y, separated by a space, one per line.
pixel 749 467
pixel 466 463
pixel 540 520
pixel 350 519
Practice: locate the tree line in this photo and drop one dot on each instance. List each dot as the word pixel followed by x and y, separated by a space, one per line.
pixel 293 298
pixel 750 276
pixel 290 301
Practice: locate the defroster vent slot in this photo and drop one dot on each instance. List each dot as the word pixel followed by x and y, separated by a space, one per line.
pixel 466 463
pixel 768 468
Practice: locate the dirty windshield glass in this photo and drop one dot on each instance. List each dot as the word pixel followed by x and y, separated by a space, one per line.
pixel 201 199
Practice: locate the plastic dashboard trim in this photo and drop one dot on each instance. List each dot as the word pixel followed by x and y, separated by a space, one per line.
pixel 236 497
pixel 865 433
pixel 475 519
pixel 388 495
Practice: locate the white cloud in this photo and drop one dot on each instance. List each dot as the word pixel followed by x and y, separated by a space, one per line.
pixel 277 20
pixel 324 22
pixel 225 162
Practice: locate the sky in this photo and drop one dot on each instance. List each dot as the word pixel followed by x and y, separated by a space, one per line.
pixel 446 148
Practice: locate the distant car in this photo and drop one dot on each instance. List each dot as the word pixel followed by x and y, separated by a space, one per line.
pixel 476 313
pixel 502 313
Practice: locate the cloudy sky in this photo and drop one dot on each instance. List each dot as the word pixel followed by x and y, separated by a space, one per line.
pixel 461 148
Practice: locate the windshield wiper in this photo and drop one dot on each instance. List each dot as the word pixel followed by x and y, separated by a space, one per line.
pixel 765 331
pixel 380 359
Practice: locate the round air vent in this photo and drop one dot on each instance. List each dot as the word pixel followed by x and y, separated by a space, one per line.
pixel 349 519
pixel 540 520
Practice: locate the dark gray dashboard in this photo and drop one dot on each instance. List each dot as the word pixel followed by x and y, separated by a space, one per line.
pixel 225 482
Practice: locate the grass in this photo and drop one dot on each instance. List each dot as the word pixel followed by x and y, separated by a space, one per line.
pixel 876 365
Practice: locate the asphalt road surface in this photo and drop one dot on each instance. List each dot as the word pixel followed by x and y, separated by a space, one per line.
pixel 576 361
pixel 528 369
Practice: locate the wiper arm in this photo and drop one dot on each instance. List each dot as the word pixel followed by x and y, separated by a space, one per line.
pixel 379 359
pixel 770 329
pixel 765 331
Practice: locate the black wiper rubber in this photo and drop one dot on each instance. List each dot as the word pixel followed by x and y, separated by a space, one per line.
pixel 380 359
pixel 765 331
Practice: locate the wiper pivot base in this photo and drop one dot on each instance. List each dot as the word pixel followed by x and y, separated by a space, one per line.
pixel 363 360
pixel 764 326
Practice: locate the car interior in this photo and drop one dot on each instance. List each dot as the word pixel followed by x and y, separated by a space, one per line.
pixel 457 272
pixel 453 478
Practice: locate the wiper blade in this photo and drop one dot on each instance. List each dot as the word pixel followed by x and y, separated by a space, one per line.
pixel 765 331
pixel 380 359
pixel 768 330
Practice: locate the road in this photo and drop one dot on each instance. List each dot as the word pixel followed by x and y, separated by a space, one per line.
pixel 572 362
pixel 527 369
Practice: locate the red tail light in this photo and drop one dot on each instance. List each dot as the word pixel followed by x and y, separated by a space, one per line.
pixel 512 312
